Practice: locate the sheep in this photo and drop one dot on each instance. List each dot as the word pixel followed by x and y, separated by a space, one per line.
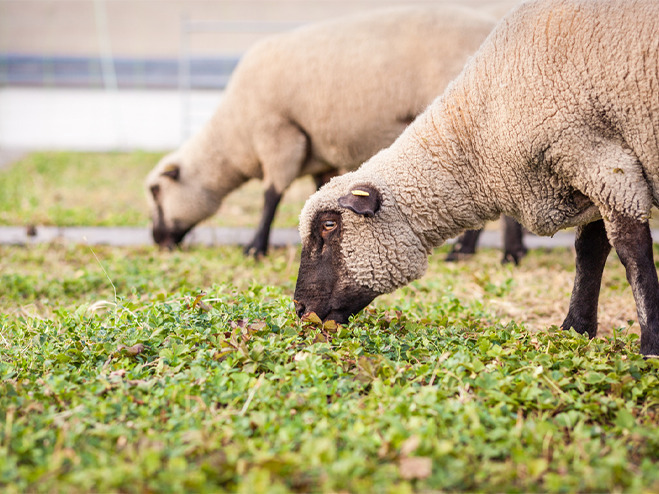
pixel 318 100
pixel 554 121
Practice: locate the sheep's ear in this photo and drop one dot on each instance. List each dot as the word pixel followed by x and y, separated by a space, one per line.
pixel 362 199
pixel 172 171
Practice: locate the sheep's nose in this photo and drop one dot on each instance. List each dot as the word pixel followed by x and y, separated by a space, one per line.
pixel 163 238
pixel 299 309
pixel 167 244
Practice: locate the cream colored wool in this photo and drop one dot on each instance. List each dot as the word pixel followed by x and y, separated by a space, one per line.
pixel 554 121
pixel 318 98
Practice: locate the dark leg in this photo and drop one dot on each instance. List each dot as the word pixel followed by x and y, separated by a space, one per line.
pixel 633 243
pixel 259 245
pixel 464 246
pixel 321 179
pixel 513 241
pixel 592 246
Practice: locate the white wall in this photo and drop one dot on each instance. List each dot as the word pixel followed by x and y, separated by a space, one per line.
pixel 84 119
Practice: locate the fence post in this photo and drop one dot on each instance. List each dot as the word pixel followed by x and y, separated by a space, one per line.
pixel 184 83
pixel 107 65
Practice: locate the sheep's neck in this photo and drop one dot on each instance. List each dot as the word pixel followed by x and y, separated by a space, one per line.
pixel 437 188
pixel 224 157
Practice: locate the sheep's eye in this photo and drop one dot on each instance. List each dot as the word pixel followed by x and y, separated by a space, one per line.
pixel 329 225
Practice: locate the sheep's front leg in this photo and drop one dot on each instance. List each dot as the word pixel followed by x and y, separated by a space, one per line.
pixel 259 244
pixel 282 148
pixel 633 242
pixel 592 246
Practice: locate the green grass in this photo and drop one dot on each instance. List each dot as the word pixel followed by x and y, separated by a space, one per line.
pixel 101 189
pixel 64 189
pixel 435 387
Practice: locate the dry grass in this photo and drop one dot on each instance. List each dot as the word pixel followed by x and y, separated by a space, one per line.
pixel 536 293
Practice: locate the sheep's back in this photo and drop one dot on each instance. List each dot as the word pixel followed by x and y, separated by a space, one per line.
pixel 353 85
pixel 553 77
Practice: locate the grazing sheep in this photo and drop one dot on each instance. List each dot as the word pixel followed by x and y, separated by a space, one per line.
pixel 320 99
pixel 554 121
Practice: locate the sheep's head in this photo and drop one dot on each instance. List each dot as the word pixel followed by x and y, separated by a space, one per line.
pixel 356 245
pixel 178 199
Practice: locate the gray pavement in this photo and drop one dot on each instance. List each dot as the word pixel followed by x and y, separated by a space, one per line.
pixel 10 155
pixel 211 236
pixel 215 236
pixel 134 236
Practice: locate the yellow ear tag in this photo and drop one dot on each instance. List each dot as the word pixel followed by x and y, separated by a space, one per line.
pixel 358 192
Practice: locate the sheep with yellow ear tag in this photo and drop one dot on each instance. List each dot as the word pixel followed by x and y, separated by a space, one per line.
pixel 554 121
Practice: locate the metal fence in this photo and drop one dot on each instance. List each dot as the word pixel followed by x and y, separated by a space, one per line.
pixel 188 73
pixel 130 73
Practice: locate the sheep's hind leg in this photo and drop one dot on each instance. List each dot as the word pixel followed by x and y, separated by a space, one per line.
pixel 633 242
pixel 321 179
pixel 513 241
pixel 259 245
pixel 464 246
pixel 593 247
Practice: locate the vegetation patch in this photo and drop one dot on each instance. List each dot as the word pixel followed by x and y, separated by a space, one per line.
pixel 133 370
pixel 107 189
pixel 65 189
pixel 136 370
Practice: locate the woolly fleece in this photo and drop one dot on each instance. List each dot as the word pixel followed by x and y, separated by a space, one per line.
pixel 554 121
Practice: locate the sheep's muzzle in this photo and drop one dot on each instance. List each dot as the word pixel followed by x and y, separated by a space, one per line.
pixel 323 284
pixel 168 239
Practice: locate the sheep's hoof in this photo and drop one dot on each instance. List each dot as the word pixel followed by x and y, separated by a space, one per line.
pixel 455 256
pixel 588 328
pixel 255 251
pixel 510 256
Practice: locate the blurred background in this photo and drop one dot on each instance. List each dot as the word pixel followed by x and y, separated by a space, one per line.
pixel 100 75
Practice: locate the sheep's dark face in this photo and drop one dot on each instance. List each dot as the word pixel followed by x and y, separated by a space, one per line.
pixel 323 284
pixel 356 245
pixel 177 201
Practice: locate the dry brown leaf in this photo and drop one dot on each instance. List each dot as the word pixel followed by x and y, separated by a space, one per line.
pixel 257 326
pixel 131 350
pixel 410 445
pixel 330 325
pixel 240 323
pixel 312 317
pixel 197 301
pixel 416 467
pixel 320 338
